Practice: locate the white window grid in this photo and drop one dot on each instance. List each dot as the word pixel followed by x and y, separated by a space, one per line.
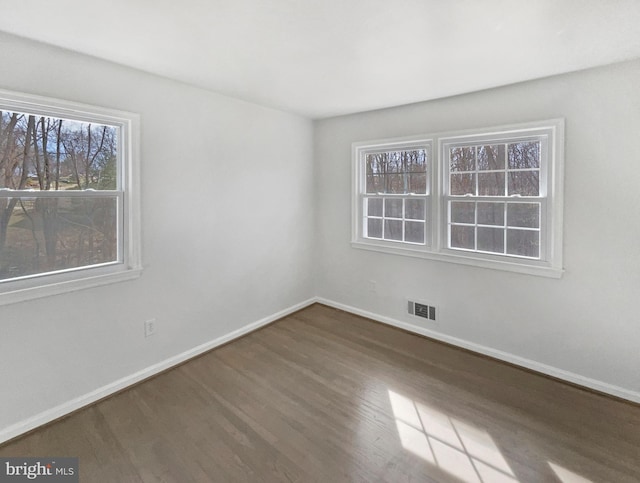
pixel 476 172
pixel 362 208
pixel 505 226
pixel 403 219
pixel 546 227
pixel 506 199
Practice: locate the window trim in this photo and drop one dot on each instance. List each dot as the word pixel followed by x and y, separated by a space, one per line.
pixel 129 265
pixel 552 218
pixel 358 151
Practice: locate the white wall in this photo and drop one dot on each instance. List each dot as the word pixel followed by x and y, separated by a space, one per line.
pixel 586 323
pixel 221 248
pixel 252 247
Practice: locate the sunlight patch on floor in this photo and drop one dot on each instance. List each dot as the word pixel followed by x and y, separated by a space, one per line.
pixel 566 476
pixel 460 449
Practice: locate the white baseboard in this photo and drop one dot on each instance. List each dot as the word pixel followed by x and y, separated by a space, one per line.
pixel 61 410
pixel 571 377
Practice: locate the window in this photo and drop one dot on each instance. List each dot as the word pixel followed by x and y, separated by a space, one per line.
pixel 395 194
pixel 68 196
pixel 492 198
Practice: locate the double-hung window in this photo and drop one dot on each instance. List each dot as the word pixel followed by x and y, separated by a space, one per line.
pixel 491 197
pixel 394 192
pixel 69 215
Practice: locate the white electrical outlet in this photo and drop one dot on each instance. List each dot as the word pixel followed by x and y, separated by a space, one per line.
pixel 373 286
pixel 149 327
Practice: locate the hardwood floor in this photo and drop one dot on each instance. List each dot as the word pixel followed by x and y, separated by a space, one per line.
pixel 323 395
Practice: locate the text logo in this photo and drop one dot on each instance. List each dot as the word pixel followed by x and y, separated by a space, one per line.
pixel 44 470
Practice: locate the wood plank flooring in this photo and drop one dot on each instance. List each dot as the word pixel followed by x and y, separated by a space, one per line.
pixel 326 396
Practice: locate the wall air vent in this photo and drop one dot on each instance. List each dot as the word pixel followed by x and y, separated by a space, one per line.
pixel 422 310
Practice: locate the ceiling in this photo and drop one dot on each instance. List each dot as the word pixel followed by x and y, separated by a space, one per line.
pixel 322 58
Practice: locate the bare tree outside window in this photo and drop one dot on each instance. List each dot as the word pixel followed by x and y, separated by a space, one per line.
pixel 396 194
pixel 488 197
pixel 54 226
pixel 485 175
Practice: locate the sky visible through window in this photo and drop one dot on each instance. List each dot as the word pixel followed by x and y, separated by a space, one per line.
pixel 78 227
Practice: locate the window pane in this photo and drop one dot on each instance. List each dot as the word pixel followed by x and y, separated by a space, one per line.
pixel 491 184
pixel 418 160
pixel 393 163
pixel 393 208
pixel 462 237
pixel 491 239
pixel 393 229
pixel 415 209
pixel 523 214
pixel 48 153
pixel 402 171
pixel 374 228
pixel 414 231
pixel 462 184
pixel 396 183
pixel 525 183
pixel 51 234
pixel 524 155
pixel 396 162
pixel 491 214
pixel 375 183
pixel 376 163
pixel 417 183
pixel 525 243
pixel 371 166
pixel 374 206
pixel 491 157
pixel 463 212
pixel 462 159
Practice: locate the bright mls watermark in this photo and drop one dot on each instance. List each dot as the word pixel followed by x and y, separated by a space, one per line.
pixel 58 470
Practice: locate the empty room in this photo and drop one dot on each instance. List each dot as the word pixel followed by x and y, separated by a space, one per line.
pixel 344 241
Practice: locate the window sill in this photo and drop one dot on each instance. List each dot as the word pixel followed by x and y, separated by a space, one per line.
pixel 54 285
pixel 420 252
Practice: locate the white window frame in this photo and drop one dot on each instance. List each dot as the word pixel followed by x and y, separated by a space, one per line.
pixel 360 150
pixel 128 264
pixel 551 198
